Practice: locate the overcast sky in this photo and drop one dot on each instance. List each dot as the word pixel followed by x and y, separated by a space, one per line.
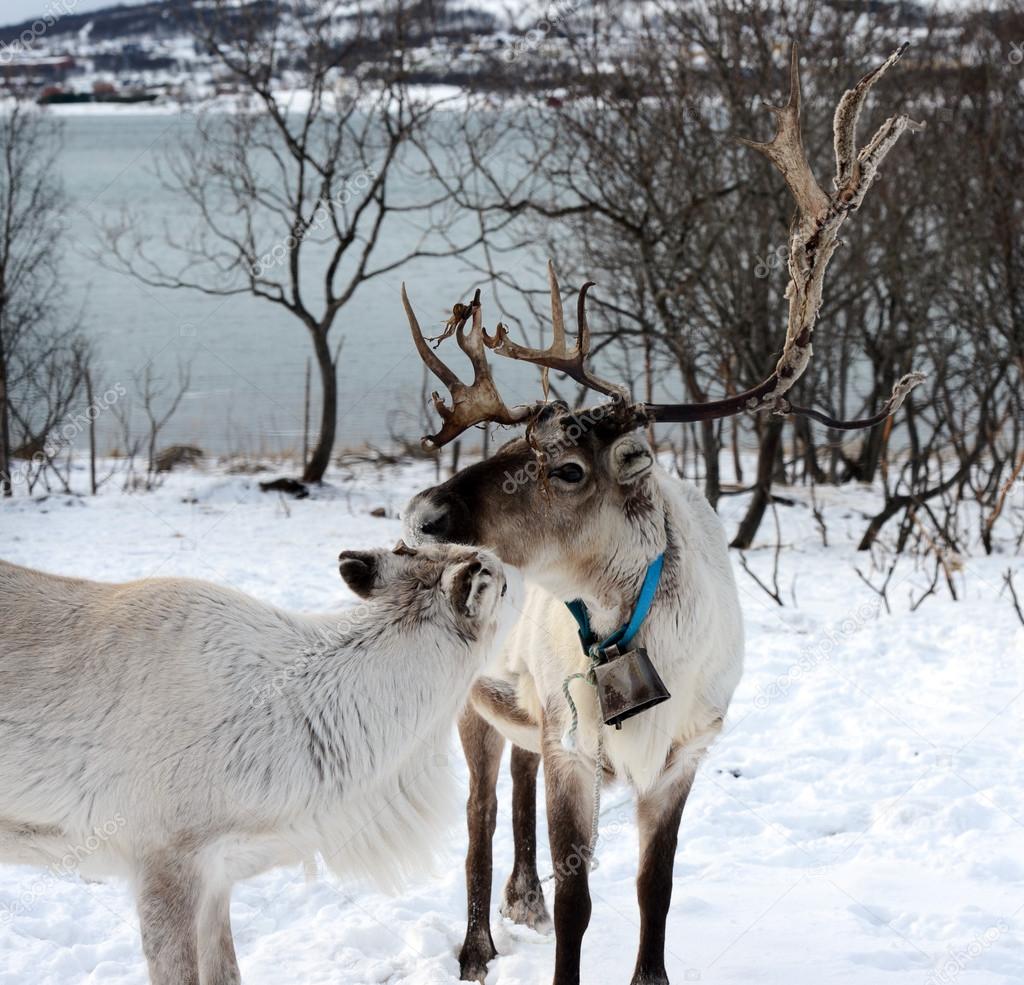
pixel 15 11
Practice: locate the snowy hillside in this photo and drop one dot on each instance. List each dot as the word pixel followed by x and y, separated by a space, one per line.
pixel 147 55
pixel 860 821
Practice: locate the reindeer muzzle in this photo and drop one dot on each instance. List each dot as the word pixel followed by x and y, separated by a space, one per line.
pixel 627 684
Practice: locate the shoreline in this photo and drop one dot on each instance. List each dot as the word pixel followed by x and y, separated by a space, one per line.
pixel 448 97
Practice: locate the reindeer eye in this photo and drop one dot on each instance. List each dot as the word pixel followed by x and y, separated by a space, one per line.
pixel 568 473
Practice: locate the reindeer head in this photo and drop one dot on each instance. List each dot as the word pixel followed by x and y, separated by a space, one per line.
pixel 560 502
pixel 579 487
pixel 469 583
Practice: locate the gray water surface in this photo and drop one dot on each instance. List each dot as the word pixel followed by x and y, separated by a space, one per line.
pixel 248 356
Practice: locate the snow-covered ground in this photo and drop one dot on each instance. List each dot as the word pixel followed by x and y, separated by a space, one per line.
pixel 860 821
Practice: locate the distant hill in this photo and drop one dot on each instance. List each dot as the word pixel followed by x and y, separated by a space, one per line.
pixel 148 51
pixel 111 23
pixel 167 18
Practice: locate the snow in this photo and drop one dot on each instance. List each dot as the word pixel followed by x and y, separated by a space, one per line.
pixel 441 97
pixel 860 820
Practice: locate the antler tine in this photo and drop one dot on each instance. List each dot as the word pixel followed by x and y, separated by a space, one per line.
pixel 434 364
pixel 900 390
pixel 557 315
pixel 582 325
pixel 477 403
pixel 583 348
pixel 814 237
pixel 572 362
pixel 844 124
pixel 786 149
pixel 472 343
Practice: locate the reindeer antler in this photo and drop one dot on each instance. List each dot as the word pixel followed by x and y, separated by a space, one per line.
pixel 480 401
pixel 813 239
pixel 556 356
pixel 474 404
pixel 814 236
pixel 816 228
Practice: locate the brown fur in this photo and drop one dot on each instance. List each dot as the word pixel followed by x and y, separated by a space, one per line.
pixel 658 820
pixel 217 961
pixel 496 697
pixel 523 898
pixel 483 745
pixel 569 805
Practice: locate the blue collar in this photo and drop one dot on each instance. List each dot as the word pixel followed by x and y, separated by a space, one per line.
pixel 623 636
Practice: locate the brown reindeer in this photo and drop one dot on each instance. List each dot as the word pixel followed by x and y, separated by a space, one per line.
pixel 581 505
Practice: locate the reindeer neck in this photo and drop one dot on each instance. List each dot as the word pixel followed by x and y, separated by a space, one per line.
pixel 370 658
pixel 611 593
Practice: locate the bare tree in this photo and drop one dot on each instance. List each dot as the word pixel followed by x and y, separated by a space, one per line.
pixel 633 178
pixel 630 175
pixel 160 402
pixel 43 357
pixel 293 200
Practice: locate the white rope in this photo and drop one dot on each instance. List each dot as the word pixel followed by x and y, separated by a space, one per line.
pixel 595 830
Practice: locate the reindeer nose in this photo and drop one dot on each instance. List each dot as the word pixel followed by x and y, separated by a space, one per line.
pixel 437 526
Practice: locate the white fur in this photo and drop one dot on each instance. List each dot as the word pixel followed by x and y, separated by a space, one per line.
pixel 694 633
pixel 171 715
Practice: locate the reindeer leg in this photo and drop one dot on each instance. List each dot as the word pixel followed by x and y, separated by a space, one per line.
pixel 523 899
pixel 569 805
pixel 168 901
pixel 483 746
pixel 658 816
pixel 217 962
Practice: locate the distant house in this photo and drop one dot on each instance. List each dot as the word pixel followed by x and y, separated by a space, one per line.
pixel 36 71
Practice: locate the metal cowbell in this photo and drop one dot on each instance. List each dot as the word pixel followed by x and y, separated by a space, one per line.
pixel 627 684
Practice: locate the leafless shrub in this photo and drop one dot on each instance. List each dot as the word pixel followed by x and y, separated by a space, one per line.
pixel 157 400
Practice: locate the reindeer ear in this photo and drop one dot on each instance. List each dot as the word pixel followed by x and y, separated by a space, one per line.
pixel 631 459
pixel 359 569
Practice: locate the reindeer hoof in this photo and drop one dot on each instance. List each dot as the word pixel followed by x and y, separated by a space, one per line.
pixel 473 962
pixel 472 971
pixel 526 906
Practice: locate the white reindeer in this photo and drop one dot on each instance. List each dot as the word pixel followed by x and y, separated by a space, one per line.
pixel 581 505
pixel 192 736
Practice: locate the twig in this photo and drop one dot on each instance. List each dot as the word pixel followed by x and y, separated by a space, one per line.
pixel 819 516
pixel 1001 501
pixel 930 590
pixel 939 553
pixel 883 590
pixel 773 592
pixel 1008 579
